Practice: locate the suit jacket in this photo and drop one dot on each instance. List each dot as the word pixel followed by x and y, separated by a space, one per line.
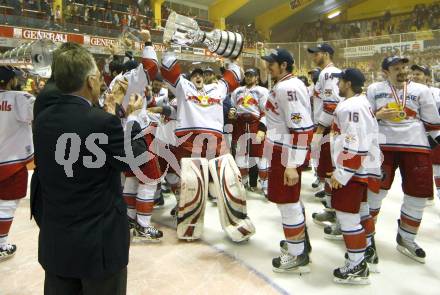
pixel 83 224
pixel 47 97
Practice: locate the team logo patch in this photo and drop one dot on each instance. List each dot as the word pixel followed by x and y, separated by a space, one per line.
pixel 328 92
pixel 350 138
pixel 296 117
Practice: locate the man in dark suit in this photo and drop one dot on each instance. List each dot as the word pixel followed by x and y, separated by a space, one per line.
pixel 84 236
pixel 47 97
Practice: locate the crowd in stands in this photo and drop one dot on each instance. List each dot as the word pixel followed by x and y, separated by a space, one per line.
pixel 250 33
pixel 112 15
pixel 104 13
pixel 423 17
pixel 119 15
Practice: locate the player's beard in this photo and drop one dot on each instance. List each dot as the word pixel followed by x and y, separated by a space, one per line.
pixel 342 92
pixel 320 62
pixel 250 84
pixel 402 78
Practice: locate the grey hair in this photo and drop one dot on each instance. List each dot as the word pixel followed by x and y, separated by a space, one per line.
pixel 72 69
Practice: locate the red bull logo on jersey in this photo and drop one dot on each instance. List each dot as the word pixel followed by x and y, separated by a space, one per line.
pixel 271 107
pixel 5 107
pixel 204 100
pixel 247 101
pixel 296 117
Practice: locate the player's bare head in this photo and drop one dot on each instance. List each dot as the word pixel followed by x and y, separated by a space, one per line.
pixel 251 77
pixel 197 78
pixel 420 74
pixel 157 84
pixel 396 69
pixel 351 82
pixel 280 62
pixel 322 54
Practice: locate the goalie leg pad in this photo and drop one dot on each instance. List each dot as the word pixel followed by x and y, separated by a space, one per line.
pixel 231 198
pixel 193 194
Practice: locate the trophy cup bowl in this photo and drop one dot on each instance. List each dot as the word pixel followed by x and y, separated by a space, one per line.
pixel 182 30
pixel 36 56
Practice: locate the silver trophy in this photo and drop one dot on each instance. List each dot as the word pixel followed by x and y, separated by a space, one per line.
pixel 182 30
pixel 35 56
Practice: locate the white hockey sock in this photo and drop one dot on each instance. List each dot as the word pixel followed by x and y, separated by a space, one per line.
pixel 7 210
pixel 262 172
pixel 411 216
pixel 145 203
pixel 129 193
pixel 436 172
pixel 293 226
pixel 367 222
pixel 354 235
pixel 375 202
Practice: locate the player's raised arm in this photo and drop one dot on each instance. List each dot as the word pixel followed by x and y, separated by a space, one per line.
pixel 231 79
pixel 170 70
pixel 149 57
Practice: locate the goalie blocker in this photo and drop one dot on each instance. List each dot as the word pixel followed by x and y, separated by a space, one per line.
pixel 227 188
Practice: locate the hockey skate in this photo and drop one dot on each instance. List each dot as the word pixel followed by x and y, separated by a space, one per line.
pixel 352 274
pixel 410 249
pixel 287 263
pixel 320 195
pixel 131 223
pixel 159 202
pixel 371 258
pixel 146 234
pixel 317 183
pixel 324 218
pixel 333 232
pixel 7 251
pixel 165 187
pixel 173 212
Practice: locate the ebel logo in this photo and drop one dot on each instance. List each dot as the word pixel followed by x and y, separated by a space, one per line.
pixel 5 107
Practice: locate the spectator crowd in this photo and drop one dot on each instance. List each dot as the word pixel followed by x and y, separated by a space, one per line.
pixel 423 17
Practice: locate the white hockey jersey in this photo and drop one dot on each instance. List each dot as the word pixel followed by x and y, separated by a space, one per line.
pixel 166 129
pixel 408 135
pixel 288 119
pixel 199 111
pixel 250 101
pixel 436 94
pixel 16 146
pixel 355 141
pixel 327 93
pixel 157 100
pixel 140 77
